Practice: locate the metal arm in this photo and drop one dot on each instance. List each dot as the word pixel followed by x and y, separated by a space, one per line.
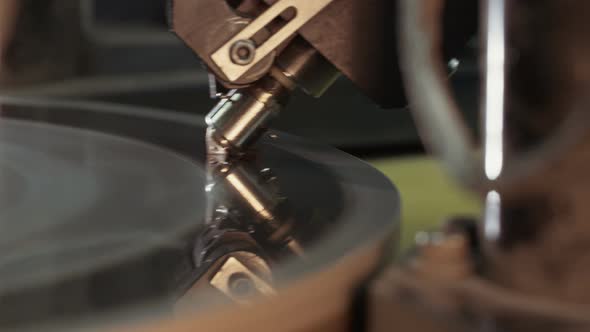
pixel 257 44
pixel 264 56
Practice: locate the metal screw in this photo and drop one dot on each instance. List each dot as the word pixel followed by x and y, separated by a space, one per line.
pixel 243 52
pixel 241 285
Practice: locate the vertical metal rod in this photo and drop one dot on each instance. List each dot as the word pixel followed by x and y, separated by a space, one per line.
pixel 494 94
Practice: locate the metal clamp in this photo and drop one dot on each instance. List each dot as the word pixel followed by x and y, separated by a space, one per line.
pixel 305 11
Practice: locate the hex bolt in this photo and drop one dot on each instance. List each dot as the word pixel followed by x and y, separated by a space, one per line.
pixel 241 285
pixel 243 52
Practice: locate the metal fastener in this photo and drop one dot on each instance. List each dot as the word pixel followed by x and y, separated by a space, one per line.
pixel 243 52
pixel 241 285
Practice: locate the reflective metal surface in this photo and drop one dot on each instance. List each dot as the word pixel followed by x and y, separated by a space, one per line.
pixel 113 211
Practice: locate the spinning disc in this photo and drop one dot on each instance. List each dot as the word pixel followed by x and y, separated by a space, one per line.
pixel 68 195
pixel 114 211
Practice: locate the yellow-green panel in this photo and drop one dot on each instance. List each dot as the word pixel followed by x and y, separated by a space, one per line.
pixel 429 195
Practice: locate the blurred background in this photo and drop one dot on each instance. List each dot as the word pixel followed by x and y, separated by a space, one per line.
pixel 122 52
